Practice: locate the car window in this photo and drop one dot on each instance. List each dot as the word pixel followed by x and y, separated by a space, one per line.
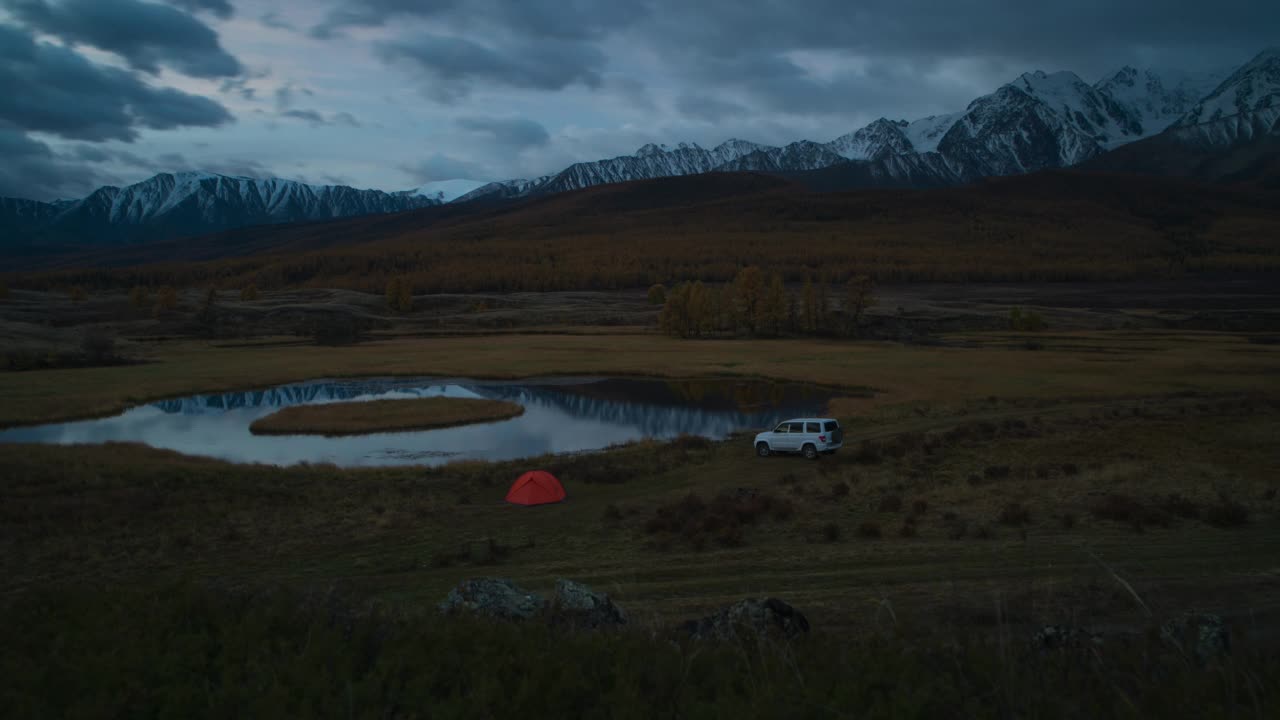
pixel 831 425
pixel 781 428
pixel 797 427
pixel 813 427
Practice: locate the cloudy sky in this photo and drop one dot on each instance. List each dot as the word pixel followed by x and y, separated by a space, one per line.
pixel 394 93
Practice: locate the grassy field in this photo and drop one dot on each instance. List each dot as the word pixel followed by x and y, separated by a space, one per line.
pixel 1107 480
pixel 355 418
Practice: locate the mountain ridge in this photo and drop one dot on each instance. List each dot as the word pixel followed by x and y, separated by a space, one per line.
pixel 1038 121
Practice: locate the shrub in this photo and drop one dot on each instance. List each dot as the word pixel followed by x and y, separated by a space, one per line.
pixel 1068 521
pixel 337 331
pixel 249 293
pixel 830 532
pixel 868 453
pixel 1028 321
pixel 908 530
pixel 657 294
pixel 996 472
pixel 1226 513
pixel 612 513
pixel 399 294
pixel 139 297
pixel 919 507
pixel 692 442
pixel 166 298
pixel 1175 504
pixel 869 529
pixel 957 529
pixel 984 532
pixel 98 347
pixel 1070 469
pixel 890 503
pixel 1014 514
pixel 77 294
pixel 840 489
pixel 1125 509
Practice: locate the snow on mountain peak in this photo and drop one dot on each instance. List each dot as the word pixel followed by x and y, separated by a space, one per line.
pixel 445 191
pixel 1254 86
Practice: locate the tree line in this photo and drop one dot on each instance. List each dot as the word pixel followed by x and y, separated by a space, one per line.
pixel 757 305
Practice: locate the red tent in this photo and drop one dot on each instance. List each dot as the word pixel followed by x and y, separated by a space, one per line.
pixel 536 488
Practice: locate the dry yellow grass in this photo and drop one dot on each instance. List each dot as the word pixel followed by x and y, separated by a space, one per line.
pixel 358 418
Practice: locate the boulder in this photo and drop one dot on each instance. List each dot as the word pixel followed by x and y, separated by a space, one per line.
pixel 1203 636
pixel 579 605
pixel 493 597
pixel 763 617
pixel 1064 637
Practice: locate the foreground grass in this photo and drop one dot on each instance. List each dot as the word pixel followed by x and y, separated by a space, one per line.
pixel 201 652
pixel 1022 512
pixel 354 418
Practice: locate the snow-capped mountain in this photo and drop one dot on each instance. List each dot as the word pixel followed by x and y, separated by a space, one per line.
pixel 1038 121
pixel 445 191
pixel 1255 86
pixel 181 204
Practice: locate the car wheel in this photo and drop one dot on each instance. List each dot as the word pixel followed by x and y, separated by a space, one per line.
pixel 762 449
pixel 810 452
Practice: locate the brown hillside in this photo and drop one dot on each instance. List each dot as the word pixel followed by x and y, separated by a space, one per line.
pixel 1061 225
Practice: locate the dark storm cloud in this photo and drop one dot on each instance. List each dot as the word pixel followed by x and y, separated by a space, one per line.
pixel 551 19
pixel 56 90
pixel 221 8
pixel 146 35
pixel 442 167
pixel 515 133
pixel 311 116
pixel 32 170
pixel 317 118
pixel 706 108
pixel 452 66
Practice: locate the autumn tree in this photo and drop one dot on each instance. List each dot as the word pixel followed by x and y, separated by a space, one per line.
pixel 400 294
pixel 77 294
pixel 657 294
pixel 674 318
pixel 748 297
pixel 860 294
pixel 249 293
pixel 139 297
pixel 773 308
pixel 166 298
pixel 808 307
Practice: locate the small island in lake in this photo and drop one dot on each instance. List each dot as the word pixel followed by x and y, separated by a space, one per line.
pixel 359 418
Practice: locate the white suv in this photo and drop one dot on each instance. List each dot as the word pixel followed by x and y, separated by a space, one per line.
pixel 808 436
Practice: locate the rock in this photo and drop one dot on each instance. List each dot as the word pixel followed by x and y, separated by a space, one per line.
pixel 1063 637
pixel 493 597
pixel 579 605
pixel 759 616
pixel 1203 635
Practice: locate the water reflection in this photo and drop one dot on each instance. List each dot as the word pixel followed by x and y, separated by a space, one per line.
pixel 561 415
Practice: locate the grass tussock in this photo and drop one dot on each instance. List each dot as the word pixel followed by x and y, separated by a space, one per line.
pixel 721 521
pixel 190 652
pixel 356 418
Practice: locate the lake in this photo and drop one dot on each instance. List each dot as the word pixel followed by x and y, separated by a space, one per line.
pixel 562 415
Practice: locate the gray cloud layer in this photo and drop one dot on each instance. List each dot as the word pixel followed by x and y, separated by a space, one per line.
pixel 451 66
pixel 221 8
pixel 509 132
pixel 56 90
pixel 145 34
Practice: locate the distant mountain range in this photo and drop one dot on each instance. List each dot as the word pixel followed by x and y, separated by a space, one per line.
pixel 1130 121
